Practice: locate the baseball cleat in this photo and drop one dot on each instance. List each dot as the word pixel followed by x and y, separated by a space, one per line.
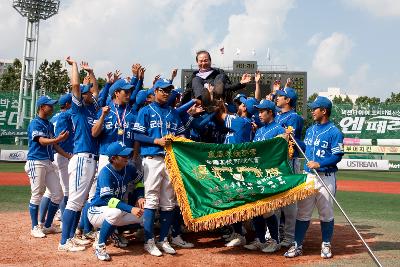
pixel 90 236
pixel 101 253
pixel 37 232
pixel 272 246
pixel 236 240
pixel 178 241
pixel 118 241
pixel 151 248
pixel 166 246
pixel 326 252
pixel 51 230
pixel 255 245
pixel 80 242
pixel 70 246
pixel 294 251
pixel 286 242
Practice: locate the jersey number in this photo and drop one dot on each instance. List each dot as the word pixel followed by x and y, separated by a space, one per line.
pixel 320 153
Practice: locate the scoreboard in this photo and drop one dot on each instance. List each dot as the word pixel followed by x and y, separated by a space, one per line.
pixel 299 81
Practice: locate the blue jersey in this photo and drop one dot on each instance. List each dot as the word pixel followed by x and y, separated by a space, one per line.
pixel 291 118
pixel 62 121
pixel 268 131
pixel 39 127
pixel 83 118
pixel 240 130
pixel 113 184
pixel 157 121
pixel 110 134
pixel 322 141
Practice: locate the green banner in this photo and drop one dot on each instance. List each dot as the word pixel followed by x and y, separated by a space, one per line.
pixel 218 184
pixel 368 122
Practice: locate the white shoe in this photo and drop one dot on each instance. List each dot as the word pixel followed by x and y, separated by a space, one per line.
pixel 51 230
pixel 166 246
pixel 37 232
pixel 271 247
pixel 70 247
pixel 294 251
pixel 90 236
pixel 80 242
pixel 57 217
pixel 178 241
pixel 101 253
pixel 151 248
pixel 237 240
pixel 326 252
pixel 256 245
pixel 286 242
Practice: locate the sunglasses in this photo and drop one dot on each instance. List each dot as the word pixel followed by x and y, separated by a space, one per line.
pixel 165 91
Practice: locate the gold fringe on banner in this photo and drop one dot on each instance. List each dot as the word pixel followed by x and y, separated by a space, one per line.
pixel 228 217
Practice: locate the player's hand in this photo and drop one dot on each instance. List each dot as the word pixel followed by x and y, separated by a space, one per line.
pixel 85 66
pixel 86 80
pixel 137 212
pixel 246 78
pixel 109 78
pixel 195 110
pixel 162 141
pixel 313 165
pixel 288 83
pixel 254 127
pixel 140 203
pixel 173 74
pixel 141 72
pixel 257 76
pixel 69 60
pixel 156 78
pixel 62 136
pixel 135 69
pixel 105 110
pixel 117 75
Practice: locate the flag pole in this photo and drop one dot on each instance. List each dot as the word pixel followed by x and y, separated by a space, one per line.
pixel 337 203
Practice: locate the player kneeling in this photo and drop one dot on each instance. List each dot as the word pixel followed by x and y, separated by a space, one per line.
pixel 107 210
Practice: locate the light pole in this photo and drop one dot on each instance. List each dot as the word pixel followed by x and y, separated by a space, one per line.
pixel 34 11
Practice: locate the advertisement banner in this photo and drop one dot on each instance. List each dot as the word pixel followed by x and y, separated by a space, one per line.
pixel 363 164
pixel 394 166
pixel 372 149
pixel 368 122
pixel 13 155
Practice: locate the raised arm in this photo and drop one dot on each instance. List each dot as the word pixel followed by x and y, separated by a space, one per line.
pixel 76 90
pixel 93 80
pixel 257 93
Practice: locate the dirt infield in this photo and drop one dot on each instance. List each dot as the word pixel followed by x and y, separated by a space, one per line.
pixel 12 178
pixel 369 186
pixel 19 248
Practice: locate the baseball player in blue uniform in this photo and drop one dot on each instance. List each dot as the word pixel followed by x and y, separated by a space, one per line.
pixel 286 100
pixel 39 166
pixel 62 122
pixel 154 121
pixel 324 148
pixel 240 131
pixel 107 208
pixel 269 130
pixel 82 166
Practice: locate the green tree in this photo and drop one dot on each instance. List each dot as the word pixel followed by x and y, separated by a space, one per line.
pixel 339 100
pixel 394 98
pixel 11 78
pixel 101 82
pixel 52 77
pixel 365 100
pixel 312 97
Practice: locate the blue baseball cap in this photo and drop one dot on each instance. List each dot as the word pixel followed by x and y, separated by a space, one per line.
pixel 249 103
pixel 142 96
pixel 266 104
pixel 85 88
pixel 118 149
pixel 65 99
pixel 288 92
pixel 172 97
pixel 238 96
pixel 45 100
pixel 162 83
pixel 321 102
pixel 119 84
